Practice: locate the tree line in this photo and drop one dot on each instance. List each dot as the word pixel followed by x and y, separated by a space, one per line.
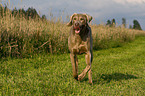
pixel 30 13
pixel 136 24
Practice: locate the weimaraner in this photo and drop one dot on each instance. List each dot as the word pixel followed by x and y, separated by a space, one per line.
pixel 80 41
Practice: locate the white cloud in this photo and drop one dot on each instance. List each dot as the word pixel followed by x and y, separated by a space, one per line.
pixel 133 2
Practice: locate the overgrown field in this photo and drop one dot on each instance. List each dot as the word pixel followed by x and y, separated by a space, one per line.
pixel 116 72
pixel 20 37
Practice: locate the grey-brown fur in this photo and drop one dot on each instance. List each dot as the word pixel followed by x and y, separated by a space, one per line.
pixel 79 42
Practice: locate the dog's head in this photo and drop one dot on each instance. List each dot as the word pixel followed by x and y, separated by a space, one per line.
pixel 79 21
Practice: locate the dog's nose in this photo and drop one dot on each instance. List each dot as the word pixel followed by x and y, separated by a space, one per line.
pixel 76 24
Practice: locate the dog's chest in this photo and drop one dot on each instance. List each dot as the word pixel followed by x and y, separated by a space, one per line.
pixel 80 48
pixel 78 45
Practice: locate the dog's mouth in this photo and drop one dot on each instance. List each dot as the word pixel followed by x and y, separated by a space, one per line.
pixel 77 29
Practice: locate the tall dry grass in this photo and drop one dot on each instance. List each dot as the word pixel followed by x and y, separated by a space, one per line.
pixel 107 37
pixel 20 37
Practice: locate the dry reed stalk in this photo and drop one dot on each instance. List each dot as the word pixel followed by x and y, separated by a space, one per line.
pixel 51 36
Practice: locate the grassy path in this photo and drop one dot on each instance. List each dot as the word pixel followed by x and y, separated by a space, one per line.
pixel 116 71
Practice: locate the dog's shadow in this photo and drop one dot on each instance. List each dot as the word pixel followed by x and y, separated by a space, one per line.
pixel 107 78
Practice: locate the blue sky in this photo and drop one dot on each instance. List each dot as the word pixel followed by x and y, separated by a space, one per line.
pixel 101 10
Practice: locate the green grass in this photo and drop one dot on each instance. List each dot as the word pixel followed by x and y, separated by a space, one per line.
pixel 116 71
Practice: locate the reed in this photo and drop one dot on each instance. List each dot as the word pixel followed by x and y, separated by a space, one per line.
pixel 21 37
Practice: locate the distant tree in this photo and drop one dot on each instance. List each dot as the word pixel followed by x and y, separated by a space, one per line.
pixel 21 13
pixel 27 14
pixel 1 10
pixel 14 12
pixel 130 27
pixel 124 22
pixel 136 25
pixel 108 23
pixel 32 13
pixel 113 23
pixel 43 17
pixel 5 9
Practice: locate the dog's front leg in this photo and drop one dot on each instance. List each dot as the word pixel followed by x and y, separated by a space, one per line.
pixel 74 62
pixel 87 69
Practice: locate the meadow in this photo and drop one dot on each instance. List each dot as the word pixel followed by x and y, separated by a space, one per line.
pixel 35 59
pixel 116 72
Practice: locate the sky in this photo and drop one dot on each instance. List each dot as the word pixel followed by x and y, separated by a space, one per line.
pixel 100 10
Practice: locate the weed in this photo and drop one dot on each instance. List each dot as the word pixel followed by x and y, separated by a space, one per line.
pixel 22 37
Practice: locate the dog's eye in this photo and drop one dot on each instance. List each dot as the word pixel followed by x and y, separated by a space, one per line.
pixel 81 19
pixel 75 18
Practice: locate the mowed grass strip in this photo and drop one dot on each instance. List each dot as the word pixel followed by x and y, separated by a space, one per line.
pixel 116 71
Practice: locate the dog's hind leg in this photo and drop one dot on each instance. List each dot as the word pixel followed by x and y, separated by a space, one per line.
pixel 90 76
pixel 90 71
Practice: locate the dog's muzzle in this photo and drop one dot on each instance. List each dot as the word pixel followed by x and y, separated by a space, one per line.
pixel 77 28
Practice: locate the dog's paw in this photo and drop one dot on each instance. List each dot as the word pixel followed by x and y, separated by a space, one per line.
pixel 80 78
pixel 90 82
pixel 76 78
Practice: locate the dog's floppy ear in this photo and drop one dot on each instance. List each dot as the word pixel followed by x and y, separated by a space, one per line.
pixel 70 22
pixel 89 18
